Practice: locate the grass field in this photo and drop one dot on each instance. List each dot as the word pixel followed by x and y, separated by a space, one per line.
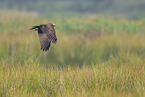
pixel 94 57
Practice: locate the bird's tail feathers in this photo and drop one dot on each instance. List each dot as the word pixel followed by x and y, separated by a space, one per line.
pixel 34 27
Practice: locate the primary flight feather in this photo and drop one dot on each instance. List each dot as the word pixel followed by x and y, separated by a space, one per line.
pixel 46 33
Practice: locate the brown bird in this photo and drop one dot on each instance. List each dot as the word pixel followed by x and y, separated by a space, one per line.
pixel 46 33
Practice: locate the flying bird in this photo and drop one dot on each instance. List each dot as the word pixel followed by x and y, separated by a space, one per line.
pixel 46 33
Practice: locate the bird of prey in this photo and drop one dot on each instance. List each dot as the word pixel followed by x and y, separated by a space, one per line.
pixel 46 33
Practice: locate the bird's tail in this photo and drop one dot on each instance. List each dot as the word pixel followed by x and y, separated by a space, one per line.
pixel 34 27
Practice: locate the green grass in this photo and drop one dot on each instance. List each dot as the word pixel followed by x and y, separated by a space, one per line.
pixel 94 80
pixel 94 57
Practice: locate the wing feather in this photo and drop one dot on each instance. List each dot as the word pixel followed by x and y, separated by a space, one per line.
pixel 49 31
pixel 44 41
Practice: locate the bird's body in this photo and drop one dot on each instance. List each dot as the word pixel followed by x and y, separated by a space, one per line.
pixel 46 33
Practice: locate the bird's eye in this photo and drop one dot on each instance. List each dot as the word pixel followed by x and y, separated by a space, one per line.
pixel 54 26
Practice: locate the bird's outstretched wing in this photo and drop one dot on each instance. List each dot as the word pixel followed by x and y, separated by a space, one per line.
pixel 44 41
pixel 46 34
pixel 49 31
pixel 34 27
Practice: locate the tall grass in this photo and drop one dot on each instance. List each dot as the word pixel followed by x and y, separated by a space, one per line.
pixel 93 80
pixel 93 57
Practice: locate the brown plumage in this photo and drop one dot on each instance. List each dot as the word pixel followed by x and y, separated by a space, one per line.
pixel 46 33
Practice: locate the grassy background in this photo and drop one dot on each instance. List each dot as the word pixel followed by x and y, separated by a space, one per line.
pixel 93 57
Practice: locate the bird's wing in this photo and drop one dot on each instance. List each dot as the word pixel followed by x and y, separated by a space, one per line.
pixel 44 41
pixel 49 31
pixel 34 27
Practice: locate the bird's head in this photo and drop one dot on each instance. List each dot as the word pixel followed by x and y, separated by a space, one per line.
pixel 50 25
pixel 53 25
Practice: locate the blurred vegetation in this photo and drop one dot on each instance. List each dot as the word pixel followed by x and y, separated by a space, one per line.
pixel 93 57
pixel 79 40
pixel 69 8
